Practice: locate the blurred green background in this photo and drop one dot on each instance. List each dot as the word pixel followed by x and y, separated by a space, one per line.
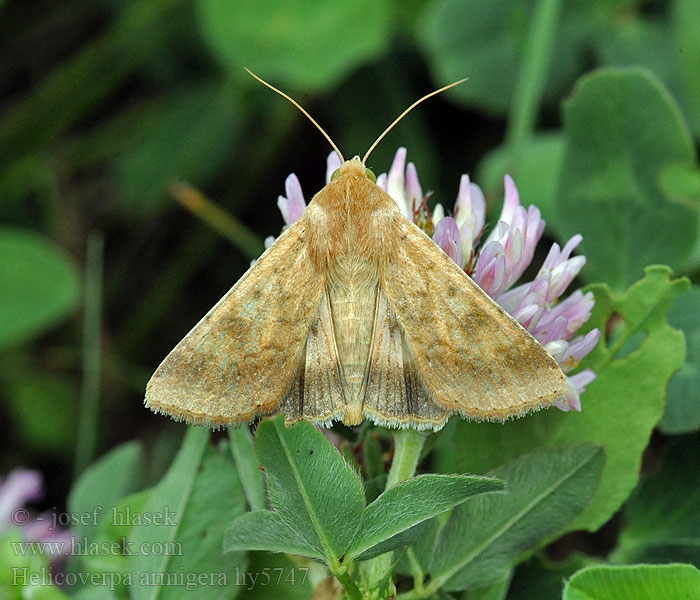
pixel 592 106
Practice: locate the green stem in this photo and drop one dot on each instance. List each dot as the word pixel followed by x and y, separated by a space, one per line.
pixel 348 584
pixel 416 569
pixel 533 73
pixel 417 593
pixel 92 325
pixel 218 219
pixel 408 444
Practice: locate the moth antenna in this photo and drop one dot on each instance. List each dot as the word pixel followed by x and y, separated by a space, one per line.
pixel 404 113
pixel 301 108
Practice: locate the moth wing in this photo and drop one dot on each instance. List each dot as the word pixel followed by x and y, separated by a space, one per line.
pixel 317 393
pixel 471 356
pixel 241 359
pixel 394 394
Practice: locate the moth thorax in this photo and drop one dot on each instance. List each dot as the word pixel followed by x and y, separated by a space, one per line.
pixel 355 272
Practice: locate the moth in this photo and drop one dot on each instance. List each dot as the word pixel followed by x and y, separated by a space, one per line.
pixel 354 313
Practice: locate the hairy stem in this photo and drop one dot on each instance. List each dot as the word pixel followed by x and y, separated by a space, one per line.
pixel 353 592
pixel 408 444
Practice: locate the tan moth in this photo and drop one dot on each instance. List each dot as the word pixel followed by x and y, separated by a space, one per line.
pixel 355 313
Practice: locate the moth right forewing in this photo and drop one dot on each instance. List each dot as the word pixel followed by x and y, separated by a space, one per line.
pixel 240 360
pixel 471 355
pixel 393 392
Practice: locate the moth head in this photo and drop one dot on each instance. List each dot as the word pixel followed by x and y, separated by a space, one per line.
pixel 354 165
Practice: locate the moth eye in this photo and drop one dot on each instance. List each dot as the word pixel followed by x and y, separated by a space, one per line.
pixel 370 175
pixel 335 174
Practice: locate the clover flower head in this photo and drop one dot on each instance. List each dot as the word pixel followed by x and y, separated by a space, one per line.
pixel 18 488
pixel 292 206
pixel 497 262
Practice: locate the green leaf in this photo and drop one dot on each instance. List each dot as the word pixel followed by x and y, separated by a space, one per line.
pixel 543 579
pixel 682 411
pixel 42 592
pixel 39 288
pixel 536 172
pixel 243 450
pixel 483 538
pixel 199 493
pixel 372 459
pixel 311 486
pixel 662 523
pixel 275 577
pixel 120 524
pixel 275 42
pixel 96 494
pixel 386 523
pixel 497 591
pixel 622 128
pixel 266 530
pixel 373 465
pixel 619 409
pixel 94 593
pixel 643 40
pixel 410 502
pixel 681 182
pixel 636 41
pixel 639 582
pixel 49 425
pixel 189 135
pixel 682 407
pixel 487 41
pixel 106 569
pixel 484 40
pixel 24 574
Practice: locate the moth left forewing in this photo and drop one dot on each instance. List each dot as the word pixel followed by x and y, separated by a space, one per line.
pixel 240 360
pixel 317 394
pixel 471 356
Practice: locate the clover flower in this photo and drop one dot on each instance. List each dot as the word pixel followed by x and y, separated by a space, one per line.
pixel 497 262
pixel 18 488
